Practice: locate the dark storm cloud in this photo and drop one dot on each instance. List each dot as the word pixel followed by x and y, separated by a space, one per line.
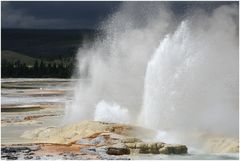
pixel 55 14
pixel 76 14
pixel 187 6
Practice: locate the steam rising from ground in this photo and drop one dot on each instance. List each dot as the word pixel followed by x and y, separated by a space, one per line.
pixel 116 65
pixel 111 112
pixel 170 73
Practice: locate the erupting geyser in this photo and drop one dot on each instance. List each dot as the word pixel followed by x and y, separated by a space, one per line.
pixel 191 81
pixel 172 75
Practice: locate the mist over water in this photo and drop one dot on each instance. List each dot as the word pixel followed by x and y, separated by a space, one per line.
pixel 159 71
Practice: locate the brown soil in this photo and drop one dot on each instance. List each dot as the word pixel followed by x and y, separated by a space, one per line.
pixel 36 117
pixel 60 148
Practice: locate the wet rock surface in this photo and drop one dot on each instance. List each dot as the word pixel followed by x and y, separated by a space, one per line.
pixel 118 149
pixel 157 148
pixel 19 152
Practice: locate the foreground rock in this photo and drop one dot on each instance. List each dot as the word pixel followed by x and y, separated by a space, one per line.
pixel 60 151
pixel 117 149
pixel 158 148
pixel 89 140
pixel 138 146
pixel 105 134
pixel 74 132
pixel 18 152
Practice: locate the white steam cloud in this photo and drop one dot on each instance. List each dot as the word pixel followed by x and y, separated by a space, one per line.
pixel 168 73
pixel 111 112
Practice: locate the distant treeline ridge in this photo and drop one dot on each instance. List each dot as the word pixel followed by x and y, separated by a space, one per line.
pixel 40 69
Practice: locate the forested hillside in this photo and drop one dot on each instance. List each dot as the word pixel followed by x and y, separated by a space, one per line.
pixel 41 53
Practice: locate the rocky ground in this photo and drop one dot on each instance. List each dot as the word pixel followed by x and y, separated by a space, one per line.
pixel 32 114
pixel 88 140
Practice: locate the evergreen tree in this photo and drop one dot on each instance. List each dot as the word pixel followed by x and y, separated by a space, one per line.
pixel 35 69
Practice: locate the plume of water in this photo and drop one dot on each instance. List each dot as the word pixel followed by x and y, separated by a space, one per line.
pixel 191 81
pixel 181 80
pixel 116 64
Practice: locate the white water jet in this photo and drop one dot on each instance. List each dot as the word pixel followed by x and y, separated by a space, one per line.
pixel 116 64
pixel 184 81
pixel 191 82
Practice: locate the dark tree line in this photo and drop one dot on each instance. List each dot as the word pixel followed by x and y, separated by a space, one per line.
pixel 40 69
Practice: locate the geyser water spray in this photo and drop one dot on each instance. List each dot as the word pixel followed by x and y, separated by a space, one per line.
pixel 191 81
pixel 170 75
pixel 116 64
pixel 111 112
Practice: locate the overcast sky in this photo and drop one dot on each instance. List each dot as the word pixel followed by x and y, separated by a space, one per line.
pixel 55 14
pixel 70 15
